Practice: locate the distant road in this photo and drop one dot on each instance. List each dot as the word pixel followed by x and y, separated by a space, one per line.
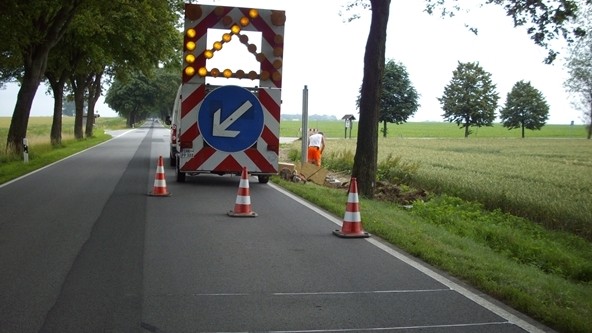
pixel 83 248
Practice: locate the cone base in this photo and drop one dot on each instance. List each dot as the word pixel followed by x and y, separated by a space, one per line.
pixel 250 214
pixel 155 194
pixel 341 234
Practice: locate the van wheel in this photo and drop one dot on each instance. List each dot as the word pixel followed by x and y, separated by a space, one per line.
pixel 263 179
pixel 172 159
pixel 180 175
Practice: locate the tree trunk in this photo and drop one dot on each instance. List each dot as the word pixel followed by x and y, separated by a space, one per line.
pixel 78 87
pixel 522 126
pixel 467 131
pixel 57 87
pixel 590 123
pixel 365 160
pixel 94 91
pixel 384 129
pixel 22 109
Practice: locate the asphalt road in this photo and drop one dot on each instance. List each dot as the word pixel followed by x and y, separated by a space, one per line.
pixel 83 248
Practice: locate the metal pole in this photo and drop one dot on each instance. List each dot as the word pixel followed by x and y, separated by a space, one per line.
pixel 304 155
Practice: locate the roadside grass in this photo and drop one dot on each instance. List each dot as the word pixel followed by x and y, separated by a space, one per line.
pixel 41 152
pixel 544 274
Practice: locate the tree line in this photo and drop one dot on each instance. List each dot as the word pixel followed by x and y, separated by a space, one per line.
pixel 77 46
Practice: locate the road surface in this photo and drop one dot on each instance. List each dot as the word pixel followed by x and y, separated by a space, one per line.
pixel 83 248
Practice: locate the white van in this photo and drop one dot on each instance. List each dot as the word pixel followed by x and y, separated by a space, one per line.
pixel 173 121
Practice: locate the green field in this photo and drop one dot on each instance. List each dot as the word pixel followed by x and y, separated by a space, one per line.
pixel 336 129
pixel 546 179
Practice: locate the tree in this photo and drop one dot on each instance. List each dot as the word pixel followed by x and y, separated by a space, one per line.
pixel 31 31
pixel 525 108
pixel 470 98
pixel 111 38
pixel 579 69
pixel 544 22
pixel 139 96
pixel 399 99
pixel 365 159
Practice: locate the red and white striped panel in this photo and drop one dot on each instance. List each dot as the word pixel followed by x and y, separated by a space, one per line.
pixel 263 157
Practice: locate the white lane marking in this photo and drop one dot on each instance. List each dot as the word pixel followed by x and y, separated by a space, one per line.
pixel 420 267
pixel 63 159
pixel 379 329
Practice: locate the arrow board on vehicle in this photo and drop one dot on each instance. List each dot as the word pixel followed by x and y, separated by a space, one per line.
pixel 230 119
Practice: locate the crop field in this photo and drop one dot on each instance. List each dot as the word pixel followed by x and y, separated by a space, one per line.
pixel 546 179
pixel 336 129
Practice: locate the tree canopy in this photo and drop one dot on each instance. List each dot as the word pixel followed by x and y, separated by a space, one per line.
pixel 470 99
pixel 579 69
pixel 525 108
pixel 114 37
pixel 398 99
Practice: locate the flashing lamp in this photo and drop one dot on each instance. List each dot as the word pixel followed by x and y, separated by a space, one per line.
pixel 208 54
pixel 235 29
pixel 244 21
pixel 227 73
pixel 202 71
pixel 190 46
pixel 277 64
pixel 279 39
pixel 227 21
pixel 252 48
pixel 252 75
pixel 190 58
pixel 226 38
pixel 240 74
pixel 215 72
pixel 191 33
pixel 217 46
pixel 243 39
pixel 253 13
pixel 189 71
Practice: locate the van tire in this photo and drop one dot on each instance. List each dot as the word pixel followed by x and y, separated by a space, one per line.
pixel 179 175
pixel 172 159
pixel 263 179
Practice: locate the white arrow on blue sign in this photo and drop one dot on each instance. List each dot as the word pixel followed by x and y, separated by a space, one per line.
pixel 230 119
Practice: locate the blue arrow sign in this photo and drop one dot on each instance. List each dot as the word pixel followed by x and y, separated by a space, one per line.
pixel 230 119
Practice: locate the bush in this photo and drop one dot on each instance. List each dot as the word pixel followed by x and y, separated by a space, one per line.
pixel 393 170
pixel 342 160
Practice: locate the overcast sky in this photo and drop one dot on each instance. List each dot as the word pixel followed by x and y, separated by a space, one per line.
pixel 326 54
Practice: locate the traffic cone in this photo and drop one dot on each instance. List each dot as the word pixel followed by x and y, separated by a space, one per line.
pixel 242 205
pixel 352 221
pixel 160 188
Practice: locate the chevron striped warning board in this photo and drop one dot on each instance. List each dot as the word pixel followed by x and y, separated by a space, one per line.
pixel 225 127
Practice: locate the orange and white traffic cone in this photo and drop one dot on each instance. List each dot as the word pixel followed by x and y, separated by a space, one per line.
pixel 352 221
pixel 242 205
pixel 160 188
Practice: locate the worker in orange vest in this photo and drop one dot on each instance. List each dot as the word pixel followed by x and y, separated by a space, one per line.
pixel 316 146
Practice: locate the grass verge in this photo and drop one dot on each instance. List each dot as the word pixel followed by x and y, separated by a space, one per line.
pixel 41 152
